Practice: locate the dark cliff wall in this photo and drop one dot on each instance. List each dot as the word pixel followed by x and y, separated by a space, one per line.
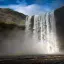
pixel 59 17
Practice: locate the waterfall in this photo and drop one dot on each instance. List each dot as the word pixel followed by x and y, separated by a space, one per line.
pixel 28 22
pixel 44 31
pixel 51 33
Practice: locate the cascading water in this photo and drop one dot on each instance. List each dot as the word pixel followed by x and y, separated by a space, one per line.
pixel 44 33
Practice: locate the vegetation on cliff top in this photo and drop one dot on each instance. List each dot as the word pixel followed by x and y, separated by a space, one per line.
pixel 10 18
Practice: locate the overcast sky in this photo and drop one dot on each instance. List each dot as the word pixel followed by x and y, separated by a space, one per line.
pixel 31 7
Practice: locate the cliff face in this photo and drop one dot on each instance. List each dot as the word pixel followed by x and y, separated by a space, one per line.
pixel 10 18
pixel 59 16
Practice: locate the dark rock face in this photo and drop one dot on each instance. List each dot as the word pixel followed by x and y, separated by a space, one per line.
pixel 59 17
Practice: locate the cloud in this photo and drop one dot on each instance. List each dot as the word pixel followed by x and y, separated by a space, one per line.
pixel 35 9
pixel 32 9
pixel 29 9
pixel 26 9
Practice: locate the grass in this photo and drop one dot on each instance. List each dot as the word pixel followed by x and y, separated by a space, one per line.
pixel 12 22
pixel 22 23
pixel 11 25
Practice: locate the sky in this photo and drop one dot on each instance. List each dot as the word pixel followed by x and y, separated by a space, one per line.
pixel 31 7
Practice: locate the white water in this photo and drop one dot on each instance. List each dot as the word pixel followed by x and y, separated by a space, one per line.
pixel 43 39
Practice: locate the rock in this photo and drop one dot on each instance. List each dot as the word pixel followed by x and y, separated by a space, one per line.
pixel 10 18
pixel 59 17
